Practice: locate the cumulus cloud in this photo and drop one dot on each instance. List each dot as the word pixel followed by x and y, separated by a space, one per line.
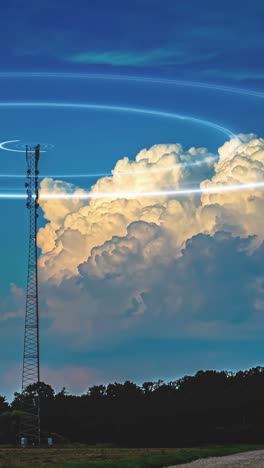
pixel 160 265
pixel 240 162
pixel 76 228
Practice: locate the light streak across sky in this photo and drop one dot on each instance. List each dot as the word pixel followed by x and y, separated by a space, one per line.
pixel 106 107
pixel 16 150
pixel 208 160
pixel 157 113
pixel 154 80
pixel 144 111
pixel 151 194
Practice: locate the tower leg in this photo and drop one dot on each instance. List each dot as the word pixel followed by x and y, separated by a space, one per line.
pixel 30 420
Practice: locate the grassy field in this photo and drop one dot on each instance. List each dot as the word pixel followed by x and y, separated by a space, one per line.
pixel 95 457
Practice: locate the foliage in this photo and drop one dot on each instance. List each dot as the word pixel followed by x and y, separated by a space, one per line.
pixel 210 407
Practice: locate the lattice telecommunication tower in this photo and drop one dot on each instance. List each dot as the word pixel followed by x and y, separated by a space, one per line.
pixel 30 421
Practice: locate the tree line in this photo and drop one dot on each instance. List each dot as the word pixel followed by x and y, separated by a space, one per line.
pixel 209 407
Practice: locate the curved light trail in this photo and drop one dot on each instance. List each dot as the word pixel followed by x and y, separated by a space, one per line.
pixel 150 194
pixel 3 147
pixel 144 111
pixel 61 176
pixel 149 171
pixel 43 146
pixel 153 112
pixel 135 110
pixel 154 80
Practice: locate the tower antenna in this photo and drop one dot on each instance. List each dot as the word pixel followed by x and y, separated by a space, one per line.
pixel 30 421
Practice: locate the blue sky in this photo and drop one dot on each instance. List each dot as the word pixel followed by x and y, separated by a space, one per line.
pixel 190 39
pixel 82 43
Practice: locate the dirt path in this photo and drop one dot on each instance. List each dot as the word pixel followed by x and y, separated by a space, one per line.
pixel 241 460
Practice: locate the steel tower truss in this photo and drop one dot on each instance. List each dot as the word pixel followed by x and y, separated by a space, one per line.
pixel 30 421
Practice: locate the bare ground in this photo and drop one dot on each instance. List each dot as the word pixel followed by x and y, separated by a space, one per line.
pixel 241 460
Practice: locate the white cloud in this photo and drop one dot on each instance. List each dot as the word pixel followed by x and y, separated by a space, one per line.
pixel 240 163
pixel 157 265
pixel 76 227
